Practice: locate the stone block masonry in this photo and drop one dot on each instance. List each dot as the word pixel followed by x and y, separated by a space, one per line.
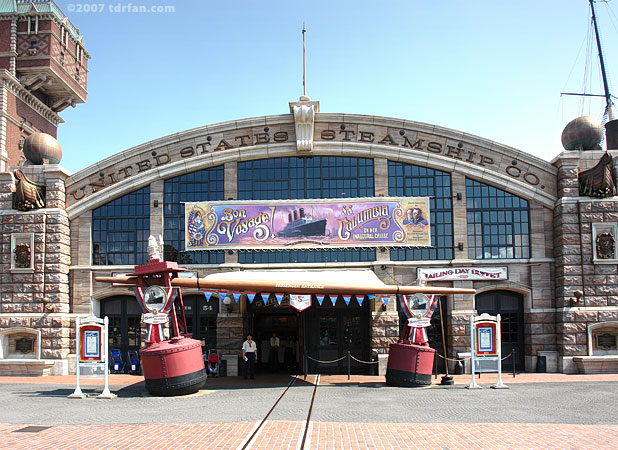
pixel 37 298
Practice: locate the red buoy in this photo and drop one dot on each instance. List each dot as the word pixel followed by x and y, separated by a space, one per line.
pixel 409 365
pixel 174 367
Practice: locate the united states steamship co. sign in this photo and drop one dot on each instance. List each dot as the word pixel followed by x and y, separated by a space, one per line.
pixel 285 224
pixel 154 158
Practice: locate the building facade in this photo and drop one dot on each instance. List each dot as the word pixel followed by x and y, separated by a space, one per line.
pixel 549 232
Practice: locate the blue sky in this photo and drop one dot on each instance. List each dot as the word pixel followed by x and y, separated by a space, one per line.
pixel 490 68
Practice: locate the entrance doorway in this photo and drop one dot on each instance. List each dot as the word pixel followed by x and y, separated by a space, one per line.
pixel 333 330
pixel 510 306
pixel 268 317
pixel 201 319
pixel 124 315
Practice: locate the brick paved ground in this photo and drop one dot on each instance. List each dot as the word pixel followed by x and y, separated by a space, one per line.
pixel 336 397
pixel 286 435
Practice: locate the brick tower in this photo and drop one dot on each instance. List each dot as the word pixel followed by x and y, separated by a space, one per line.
pixel 43 70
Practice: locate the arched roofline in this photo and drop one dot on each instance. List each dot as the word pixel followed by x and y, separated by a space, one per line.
pixel 408 156
pixel 497 176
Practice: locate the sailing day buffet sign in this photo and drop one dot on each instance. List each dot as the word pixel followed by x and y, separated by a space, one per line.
pixel 285 224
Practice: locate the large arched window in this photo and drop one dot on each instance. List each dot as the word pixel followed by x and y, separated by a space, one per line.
pixel 305 178
pixel 202 185
pixel 408 180
pixel 120 230
pixel 498 223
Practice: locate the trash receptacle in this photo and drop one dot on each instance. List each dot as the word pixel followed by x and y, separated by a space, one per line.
pixel 223 368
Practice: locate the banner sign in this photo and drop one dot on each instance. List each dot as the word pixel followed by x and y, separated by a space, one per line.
pixel 462 273
pixel 329 223
pixel 155 318
pixel 300 302
pixel 423 322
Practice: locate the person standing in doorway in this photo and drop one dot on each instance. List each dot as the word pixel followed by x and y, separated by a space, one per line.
pixel 273 356
pixel 249 354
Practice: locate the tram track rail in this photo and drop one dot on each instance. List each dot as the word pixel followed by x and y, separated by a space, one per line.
pixel 251 439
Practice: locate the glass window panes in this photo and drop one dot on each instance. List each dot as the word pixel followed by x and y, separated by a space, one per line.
pixel 498 225
pixel 202 185
pixel 408 180
pixel 120 230
pixel 305 178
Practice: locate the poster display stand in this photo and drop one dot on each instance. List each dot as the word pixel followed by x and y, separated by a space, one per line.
pixel 486 346
pixel 91 350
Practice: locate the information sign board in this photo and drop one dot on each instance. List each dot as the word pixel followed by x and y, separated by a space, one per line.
pixel 91 349
pixel 485 346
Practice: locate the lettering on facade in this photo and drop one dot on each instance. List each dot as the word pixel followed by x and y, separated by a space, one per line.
pixel 154 159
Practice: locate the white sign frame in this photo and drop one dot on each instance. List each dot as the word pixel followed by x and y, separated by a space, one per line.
pixel 462 273
pixel 102 324
pixel 495 348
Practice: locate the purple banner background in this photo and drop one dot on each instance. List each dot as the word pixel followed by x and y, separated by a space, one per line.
pixel 320 224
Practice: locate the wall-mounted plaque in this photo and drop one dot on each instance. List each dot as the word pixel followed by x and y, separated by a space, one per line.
pixel 24 345
pixel 606 341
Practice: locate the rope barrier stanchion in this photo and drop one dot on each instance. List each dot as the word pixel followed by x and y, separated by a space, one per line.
pixel 349 365
pixel 513 353
pixel 363 362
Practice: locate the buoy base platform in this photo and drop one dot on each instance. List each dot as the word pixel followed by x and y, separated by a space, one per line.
pixel 409 365
pixel 174 367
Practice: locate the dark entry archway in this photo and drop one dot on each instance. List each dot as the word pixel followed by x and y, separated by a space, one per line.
pixel 124 316
pixel 510 306
pixel 335 329
pixel 201 316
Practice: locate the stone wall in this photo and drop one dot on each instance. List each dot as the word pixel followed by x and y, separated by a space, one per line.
pixel 38 297
pixel 578 270
pixel 384 330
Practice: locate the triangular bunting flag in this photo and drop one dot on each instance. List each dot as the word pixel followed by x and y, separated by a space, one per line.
pixel 370 296
pixel 320 299
pixel 347 298
pixel 222 295
pixel 208 295
pixel 251 296
pixel 236 296
pixel 359 299
pixel 279 298
pixel 385 300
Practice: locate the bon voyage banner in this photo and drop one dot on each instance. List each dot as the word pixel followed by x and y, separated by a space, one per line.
pixel 287 224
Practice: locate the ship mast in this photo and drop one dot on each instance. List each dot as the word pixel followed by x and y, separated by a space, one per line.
pixel 608 96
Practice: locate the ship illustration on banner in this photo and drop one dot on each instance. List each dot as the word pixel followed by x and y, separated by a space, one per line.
pixel 327 223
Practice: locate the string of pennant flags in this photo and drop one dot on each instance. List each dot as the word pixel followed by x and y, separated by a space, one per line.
pixel 320 298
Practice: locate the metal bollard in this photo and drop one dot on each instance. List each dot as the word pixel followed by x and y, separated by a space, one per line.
pixel 513 353
pixel 349 363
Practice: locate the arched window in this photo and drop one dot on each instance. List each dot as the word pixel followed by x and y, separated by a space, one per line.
pixel 120 230
pixel 202 185
pixel 305 178
pixel 408 180
pixel 498 223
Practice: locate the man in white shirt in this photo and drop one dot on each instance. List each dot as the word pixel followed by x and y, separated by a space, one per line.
pixel 249 355
pixel 273 356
